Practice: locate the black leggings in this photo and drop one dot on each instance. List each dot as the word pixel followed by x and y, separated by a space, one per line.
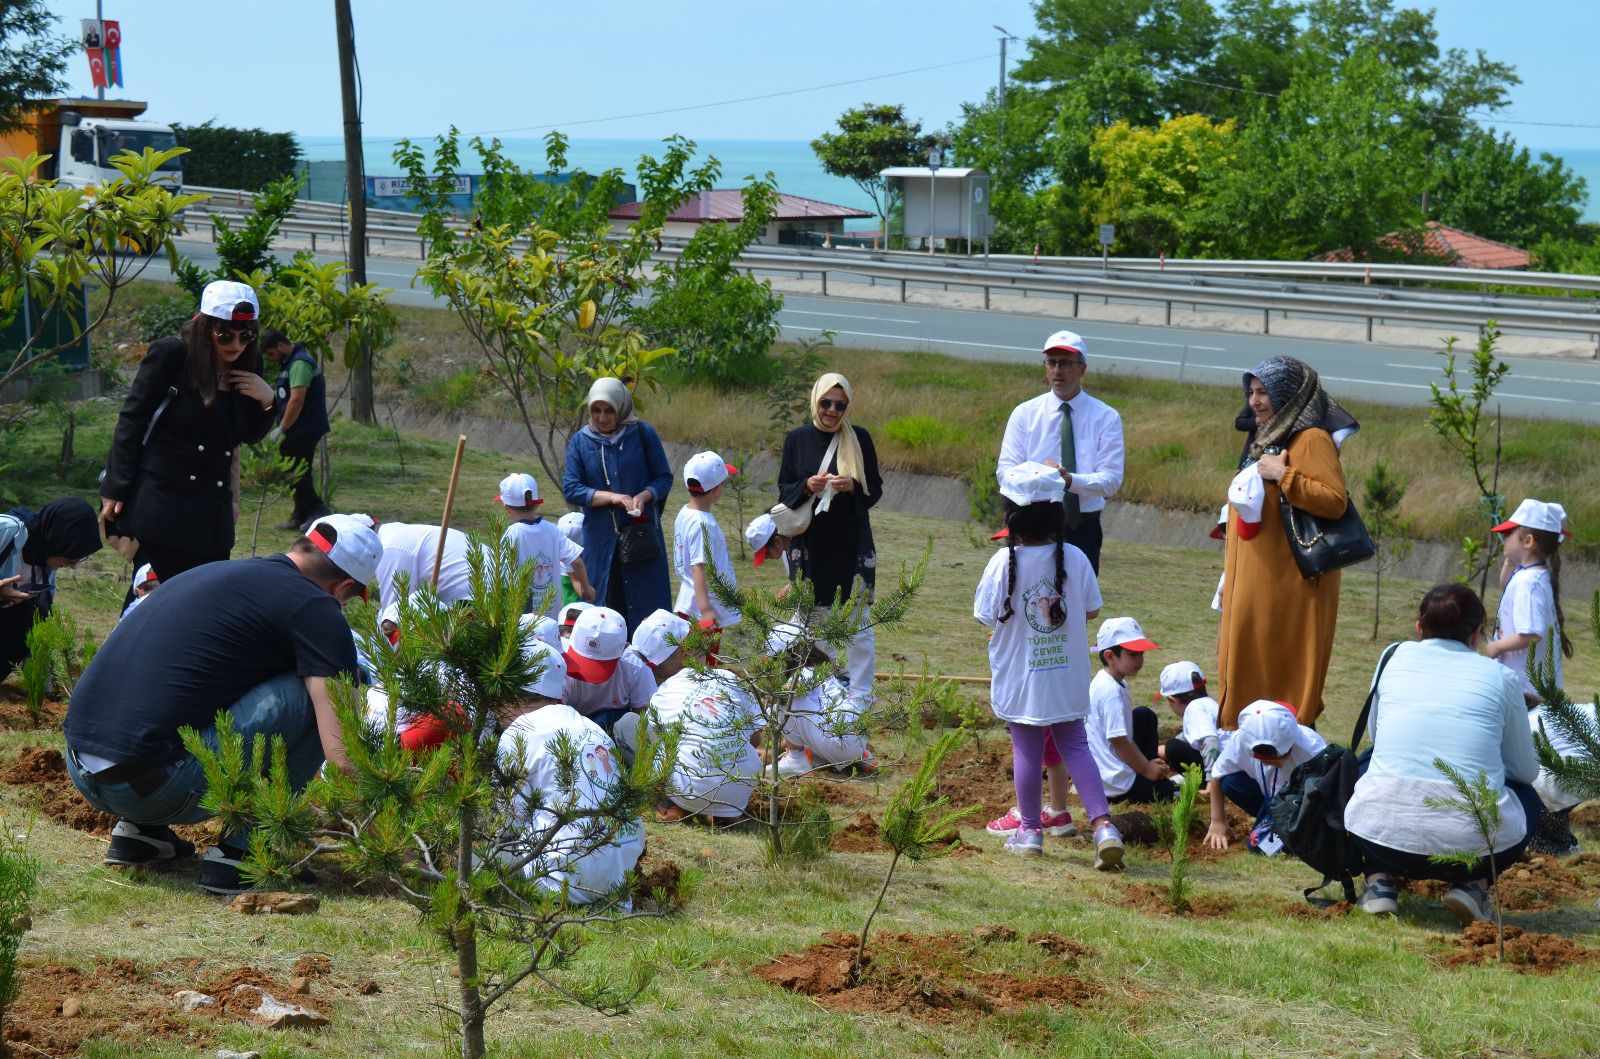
pixel 1145 736
pixel 168 562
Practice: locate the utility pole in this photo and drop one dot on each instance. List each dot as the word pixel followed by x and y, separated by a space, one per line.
pixel 361 397
pixel 999 176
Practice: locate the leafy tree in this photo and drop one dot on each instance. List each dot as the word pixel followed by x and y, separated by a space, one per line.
pixel 315 305
pixel 1158 184
pixel 54 240
pixel 1489 186
pixel 33 61
pixel 247 159
pixel 446 830
pixel 871 138
pixel 1382 492
pixel 1461 420
pixel 248 249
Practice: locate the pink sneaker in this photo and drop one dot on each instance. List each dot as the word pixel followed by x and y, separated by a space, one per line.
pixel 1007 824
pixel 1057 825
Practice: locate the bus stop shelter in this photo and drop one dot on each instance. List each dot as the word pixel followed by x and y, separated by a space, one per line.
pixel 945 203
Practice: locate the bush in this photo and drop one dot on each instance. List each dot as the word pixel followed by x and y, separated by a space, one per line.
pixel 452 393
pixel 247 159
pixel 923 432
pixel 163 317
pixel 19 878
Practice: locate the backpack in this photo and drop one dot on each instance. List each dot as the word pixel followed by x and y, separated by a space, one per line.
pixel 1308 814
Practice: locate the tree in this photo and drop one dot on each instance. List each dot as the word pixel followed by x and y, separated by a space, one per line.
pixel 871 138
pixel 1158 184
pixel 1576 774
pixel 1480 802
pixel 248 249
pixel 1382 492
pixel 1461 420
pixel 1489 186
pixel 33 61
pixel 55 239
pixel 247 159
pixel 447 830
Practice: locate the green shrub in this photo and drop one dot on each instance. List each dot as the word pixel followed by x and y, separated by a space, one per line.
pixel 452 393
pixel 19 878
pixel 923 432
pixel 163 317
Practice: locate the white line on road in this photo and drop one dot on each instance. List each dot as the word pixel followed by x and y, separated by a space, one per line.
pixel 1517 374
pixel 849 316
pixel 1020 349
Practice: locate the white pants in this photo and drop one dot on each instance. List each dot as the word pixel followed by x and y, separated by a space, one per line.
pixel 861 661
pixel 827 747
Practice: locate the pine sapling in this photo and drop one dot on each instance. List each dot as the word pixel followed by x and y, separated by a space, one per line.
pixel 916 825
pixel 1481 803
pixel 19 879
pixel 1577 774
pixel 1382 492
pixel 1182 820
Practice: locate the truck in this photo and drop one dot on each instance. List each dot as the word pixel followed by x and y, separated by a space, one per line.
pixel 81 136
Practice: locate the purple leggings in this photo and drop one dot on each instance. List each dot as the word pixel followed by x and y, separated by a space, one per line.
pixel 1027 760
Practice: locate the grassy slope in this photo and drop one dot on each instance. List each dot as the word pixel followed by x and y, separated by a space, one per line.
pixel 1257 982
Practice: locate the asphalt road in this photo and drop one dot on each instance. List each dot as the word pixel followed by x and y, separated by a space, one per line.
pixel 1541 387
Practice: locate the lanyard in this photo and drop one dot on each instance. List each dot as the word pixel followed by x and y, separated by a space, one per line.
pixel 1261 778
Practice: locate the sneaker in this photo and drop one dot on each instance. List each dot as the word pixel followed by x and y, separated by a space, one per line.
pixel 133 843
pixel 1025 842
pixel 220 872
pixel 1007 825
pixel 1057 825
pixel 1380 896
pixel 1107 848
pixel 1469 902
pixel 865 765
pixel 794 763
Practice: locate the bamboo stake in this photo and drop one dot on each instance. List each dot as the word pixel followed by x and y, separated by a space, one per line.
pixel 932 676
pixel 449 505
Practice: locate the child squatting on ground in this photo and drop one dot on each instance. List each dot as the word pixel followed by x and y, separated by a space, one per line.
pixel 1254 765
pixel 1123 739
pixel 1038 596
pixel 1198 742
pixel 824 728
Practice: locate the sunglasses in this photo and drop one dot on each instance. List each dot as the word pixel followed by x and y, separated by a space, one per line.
pixel 1063 363
pixel 229 335
pixel 828 405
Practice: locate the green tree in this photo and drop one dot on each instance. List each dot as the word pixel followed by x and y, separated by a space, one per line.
pixel 1382 492
pixel 1158 184
pixel 246 159
pixel 1463 422
pixel 248 249
pixel 871 138
pixel 1489 186
pixel 33 60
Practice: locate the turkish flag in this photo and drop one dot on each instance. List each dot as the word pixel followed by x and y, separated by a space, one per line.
pixel 97 67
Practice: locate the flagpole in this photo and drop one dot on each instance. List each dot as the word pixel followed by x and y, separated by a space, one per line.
pixel 99 16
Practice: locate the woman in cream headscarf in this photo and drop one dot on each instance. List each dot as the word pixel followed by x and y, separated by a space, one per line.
pixel 618 473
pixel 832 465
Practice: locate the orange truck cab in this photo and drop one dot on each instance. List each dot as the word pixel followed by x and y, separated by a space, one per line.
pixel 81 136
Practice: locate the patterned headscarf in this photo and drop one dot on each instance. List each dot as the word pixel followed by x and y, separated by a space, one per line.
pixel 852 464
pixel 1298 402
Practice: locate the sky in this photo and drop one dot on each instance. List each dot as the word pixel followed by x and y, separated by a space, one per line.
pixel 516 69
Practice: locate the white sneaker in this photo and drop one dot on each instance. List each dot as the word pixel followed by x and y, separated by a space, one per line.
pixel 1470 902
pixel 794 763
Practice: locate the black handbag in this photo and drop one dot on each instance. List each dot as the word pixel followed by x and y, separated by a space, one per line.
pixel 1321 545
pixel 637 541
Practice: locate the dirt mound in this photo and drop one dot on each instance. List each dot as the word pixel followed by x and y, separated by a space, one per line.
pixel 42 769
pixel 980 776
pixel 116 1004
pixel 238 1005
pixel 1538 881
pixel 1532 953
pixel 1152 899
pixel 863 835
pixel 1587 815
pixel 925 977
pixel 657 874
pixel 14 715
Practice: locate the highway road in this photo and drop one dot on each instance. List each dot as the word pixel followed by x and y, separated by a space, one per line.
pixel 1537 387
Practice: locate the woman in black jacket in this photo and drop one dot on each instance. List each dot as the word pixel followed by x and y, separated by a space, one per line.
pixel 831 464
pixel 171 477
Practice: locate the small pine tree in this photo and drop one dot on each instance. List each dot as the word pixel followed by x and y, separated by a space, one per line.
pixel 1481 803
pixel 263 469
pixel 1382 491
pixel 1182 821
pixel 1578 726
pixel 19 879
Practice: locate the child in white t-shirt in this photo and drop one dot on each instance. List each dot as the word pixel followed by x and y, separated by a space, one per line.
pixel 697 541
pixel 1254 765
pixel 541 546
pixel 822 728
pixel 1121 738
pixel 717 765
pixel 1037 596
pixel 1530 593
pixel 1183 685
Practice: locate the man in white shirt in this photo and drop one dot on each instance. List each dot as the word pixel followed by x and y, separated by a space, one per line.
pixel 1089 455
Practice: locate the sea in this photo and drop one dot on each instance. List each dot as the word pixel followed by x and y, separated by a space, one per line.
pixel 792 162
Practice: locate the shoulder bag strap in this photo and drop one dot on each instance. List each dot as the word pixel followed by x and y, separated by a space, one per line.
pixel 825 498
pixel 155 417
pixel 1366 707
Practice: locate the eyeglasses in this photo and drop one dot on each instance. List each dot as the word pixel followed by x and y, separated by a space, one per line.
pixel 829 405
pixel 229 335
pixel 1061 363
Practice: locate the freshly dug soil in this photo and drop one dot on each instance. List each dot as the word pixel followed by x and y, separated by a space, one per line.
pixel 14 714
pixel 924 977
pixel 1138 826
pixel 1587 815
pixel 1152 900
pixel 657 873
pixel 980 776
pixel 43 769
pixel 1530 953
pixel 863 835
pixel 238 1007
pixel 1536 882
pixel 118 1004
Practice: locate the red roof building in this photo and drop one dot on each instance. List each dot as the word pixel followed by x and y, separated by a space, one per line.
pixel 794 214
pixel 1441 244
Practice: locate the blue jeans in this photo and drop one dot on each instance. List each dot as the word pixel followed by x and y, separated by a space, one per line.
pixel 1244 791
pixel 280 706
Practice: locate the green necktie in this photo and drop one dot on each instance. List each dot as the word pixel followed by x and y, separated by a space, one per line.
pixel 1069 463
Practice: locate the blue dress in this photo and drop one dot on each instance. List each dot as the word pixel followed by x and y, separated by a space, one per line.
pixel 630 461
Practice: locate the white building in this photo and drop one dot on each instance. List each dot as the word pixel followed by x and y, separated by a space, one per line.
pixel 945 203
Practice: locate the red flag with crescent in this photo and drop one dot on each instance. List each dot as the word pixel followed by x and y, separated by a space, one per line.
pixel 97 67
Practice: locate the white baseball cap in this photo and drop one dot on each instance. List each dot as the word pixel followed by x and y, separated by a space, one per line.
pixel 571 524
pixel 1032 483
pixel 351 544
pixel 144 575
pixel 1123 632
pixel 1180 678
pixel 1067 340
pixel 1248 496
pixel 1268 723
pixel 783 636
pixel 222 298
pixel 543 628
pixel 1536 514
pixel 659 635
pixel 551 682
pixel 572 611
pixel 599 637
pixel 758 534
pixel 704 471
pixel 519 490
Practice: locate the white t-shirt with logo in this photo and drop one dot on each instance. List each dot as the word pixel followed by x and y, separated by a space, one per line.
pixel 1528 605
pixel 589 871
pixel 697 540
pixel 826 722
pixel 1110 717
pixel 541 545
pixel 717 767
pixel 1039 669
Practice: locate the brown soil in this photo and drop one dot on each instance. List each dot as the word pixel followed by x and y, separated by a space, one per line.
pixel 980 776
pixel 1587 815
pixel 863 835
pixel 42 769
pixel 1531 953
pixel 1152 900
pixel 1306 910
pixel 238 1006
pixel 14 714
pixel 657 873
pixel 118 1004
pixel 1138 827
pixel 1536 882
pixel 925 977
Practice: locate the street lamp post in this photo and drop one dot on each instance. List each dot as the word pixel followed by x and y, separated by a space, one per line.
pixel 935 159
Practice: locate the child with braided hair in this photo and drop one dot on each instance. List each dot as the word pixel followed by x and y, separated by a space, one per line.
pixel 1038 596
pixel 1530 592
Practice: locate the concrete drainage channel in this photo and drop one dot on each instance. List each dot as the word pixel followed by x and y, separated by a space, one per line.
pixel 946 498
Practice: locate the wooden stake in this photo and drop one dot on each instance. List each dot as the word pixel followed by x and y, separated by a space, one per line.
pixel 933 676
pixel 449 504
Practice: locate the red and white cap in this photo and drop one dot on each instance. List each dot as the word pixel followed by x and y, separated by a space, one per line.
pixel 599 637
pixel 1031 482
pixel 1268 723
pixel 1070 341
pixel 1220 530
pixel 552 679
pixel 759 534
pixel 519 490
pixel 351 544
pixel 543 628
pixel 571 524
pixel 222 298
pixel 704 471
pixel 145 575
pixel 1123 632
pixel 1180 678
pixel 659 635
pixel 1536 514
pixel 573 611
pixel 1248 495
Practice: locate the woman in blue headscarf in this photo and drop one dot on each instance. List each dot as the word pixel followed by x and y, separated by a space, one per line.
pixel 617 472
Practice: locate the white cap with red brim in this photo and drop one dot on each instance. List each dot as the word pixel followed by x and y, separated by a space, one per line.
pixel 1537 515
pixel 1123 632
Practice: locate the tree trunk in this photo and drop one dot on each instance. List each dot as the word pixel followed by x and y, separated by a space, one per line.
pixel 465 937
pixel 774 813
pixel 356 191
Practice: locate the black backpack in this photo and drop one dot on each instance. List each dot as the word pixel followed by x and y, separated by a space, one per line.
pixel 1308 814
